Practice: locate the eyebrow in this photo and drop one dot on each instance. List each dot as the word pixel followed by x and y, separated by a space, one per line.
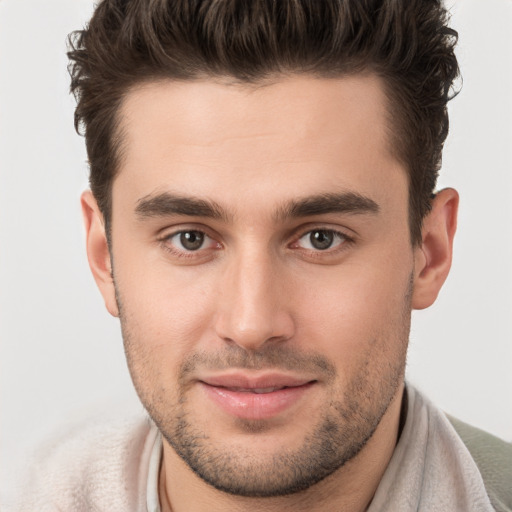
pixel 346 202
pixel 166 204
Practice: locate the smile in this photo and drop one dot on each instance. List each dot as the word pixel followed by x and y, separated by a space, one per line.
pixel 258 398
pixel 255 390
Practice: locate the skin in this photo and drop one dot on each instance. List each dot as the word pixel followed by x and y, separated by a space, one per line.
pixel 258 295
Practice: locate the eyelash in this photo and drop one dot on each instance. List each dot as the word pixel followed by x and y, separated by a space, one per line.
pixel 164 243
pixel 345 241
pixel 184 254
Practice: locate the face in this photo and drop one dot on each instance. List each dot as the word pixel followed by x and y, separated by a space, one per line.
pixel 262 267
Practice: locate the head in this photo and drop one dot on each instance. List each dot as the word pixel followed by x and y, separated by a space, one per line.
pixel 262 219
pixel 131 43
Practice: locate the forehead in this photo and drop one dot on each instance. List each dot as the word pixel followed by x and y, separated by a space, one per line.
pixel 277 138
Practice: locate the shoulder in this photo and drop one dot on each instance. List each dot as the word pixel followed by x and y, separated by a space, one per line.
pixel 493 456
pixel 92 466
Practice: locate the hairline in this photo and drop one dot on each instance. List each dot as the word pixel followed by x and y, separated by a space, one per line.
pixel 392 118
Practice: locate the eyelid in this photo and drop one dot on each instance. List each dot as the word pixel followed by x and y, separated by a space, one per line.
pixel 169 231
pixel 308 228
pixel 205 238
pixel 325 255
pixel 335 234
pixel 166 234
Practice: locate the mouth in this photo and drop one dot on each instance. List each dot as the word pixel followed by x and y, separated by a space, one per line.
pixel 255 398
pixel 258 391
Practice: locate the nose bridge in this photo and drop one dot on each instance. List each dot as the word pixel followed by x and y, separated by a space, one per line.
pixel 252 308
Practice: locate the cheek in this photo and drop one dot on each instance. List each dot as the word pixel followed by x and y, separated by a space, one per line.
pixel 165 308
pixel 164 318
pixel 356 309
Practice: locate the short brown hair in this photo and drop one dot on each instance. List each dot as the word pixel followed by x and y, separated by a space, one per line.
pixel 405 42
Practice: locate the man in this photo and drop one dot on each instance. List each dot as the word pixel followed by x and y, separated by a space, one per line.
pixel 262 220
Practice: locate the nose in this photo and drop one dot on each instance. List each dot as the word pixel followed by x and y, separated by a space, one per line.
pixel 253 305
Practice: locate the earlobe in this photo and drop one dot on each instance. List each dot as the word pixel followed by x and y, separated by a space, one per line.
pixel 98 252
pixel 433 257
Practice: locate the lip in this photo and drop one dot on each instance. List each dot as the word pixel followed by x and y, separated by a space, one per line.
pixel 255 397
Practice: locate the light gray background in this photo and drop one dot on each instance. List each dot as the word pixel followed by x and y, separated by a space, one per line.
pixel 61 354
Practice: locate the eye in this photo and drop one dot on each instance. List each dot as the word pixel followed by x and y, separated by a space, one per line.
pixel 321 240
pixel 189 241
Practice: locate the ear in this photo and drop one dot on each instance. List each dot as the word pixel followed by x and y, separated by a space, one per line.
pixel 433 258
pixel 98 252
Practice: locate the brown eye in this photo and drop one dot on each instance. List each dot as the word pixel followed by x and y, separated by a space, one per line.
pixel 190 245
pixel 321 239
pixel 188 240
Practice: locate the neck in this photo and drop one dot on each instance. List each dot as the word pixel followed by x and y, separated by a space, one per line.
pixel 350 488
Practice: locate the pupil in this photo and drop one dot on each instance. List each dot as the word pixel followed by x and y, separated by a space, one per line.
pixel 192 240
pixel 321 239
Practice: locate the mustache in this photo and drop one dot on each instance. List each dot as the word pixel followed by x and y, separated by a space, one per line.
pixel 276 357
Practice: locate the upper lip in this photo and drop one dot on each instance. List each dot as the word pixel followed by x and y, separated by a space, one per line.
pixel 247 381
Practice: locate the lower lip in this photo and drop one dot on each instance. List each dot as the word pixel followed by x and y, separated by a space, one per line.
pixel 255 406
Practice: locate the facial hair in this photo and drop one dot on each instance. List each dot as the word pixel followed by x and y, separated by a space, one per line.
pixel 351 415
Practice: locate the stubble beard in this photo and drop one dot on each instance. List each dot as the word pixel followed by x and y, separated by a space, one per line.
pixel 337 437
